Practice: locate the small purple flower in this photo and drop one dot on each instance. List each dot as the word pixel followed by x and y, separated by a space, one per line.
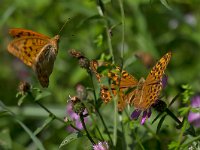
pixel 74 117
pixel 158 105
pixel 146 114
pixel 194 118
pixel 101 146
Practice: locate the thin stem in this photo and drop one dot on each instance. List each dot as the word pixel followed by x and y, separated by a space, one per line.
pixel 180 137
pixel 123 132
pixel 109 42
pixel 115 120
pixel 54 116
pixel 101 10
pixel 100 133
pixel 152 132
pixel 84 126
pixel 97 110
pixel 123 26
pixel 138 140
pixel 116 98
pixel 104 124
pixel 95 97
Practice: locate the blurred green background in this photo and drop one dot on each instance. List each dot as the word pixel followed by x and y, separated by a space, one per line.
pixel 150 26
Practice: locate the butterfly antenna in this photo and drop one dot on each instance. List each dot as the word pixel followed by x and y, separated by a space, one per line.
pixel 63 25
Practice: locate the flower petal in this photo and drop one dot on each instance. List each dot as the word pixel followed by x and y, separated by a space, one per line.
pixel 135 114
pixel 144 117
pixel 149 113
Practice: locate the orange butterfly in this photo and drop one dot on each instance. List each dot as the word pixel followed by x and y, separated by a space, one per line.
pixel 141 94
pixel 35 50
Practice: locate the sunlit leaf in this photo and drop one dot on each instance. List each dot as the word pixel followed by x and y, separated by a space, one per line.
pixel 42 95
pixel 165 3
pixel 70 138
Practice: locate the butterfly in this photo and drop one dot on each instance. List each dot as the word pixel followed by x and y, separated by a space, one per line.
pixel 141 94
pixel 36 50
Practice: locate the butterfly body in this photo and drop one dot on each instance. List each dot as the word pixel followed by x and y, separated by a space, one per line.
pixel 35 50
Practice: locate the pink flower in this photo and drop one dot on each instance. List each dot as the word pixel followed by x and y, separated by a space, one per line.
pixel 146 114
pixel 194 117
pixel 101 146
pixel 74 117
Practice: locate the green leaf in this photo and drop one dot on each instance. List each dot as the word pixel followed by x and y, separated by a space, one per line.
pixel 190 141
pixel 195 110
pixel 157 117
pixel 165 3
pixel 31 134
pixel 46 123
pixel 184 110
pixel 173 145
pixel 5 140
pixel 174 99
pixel 42 95
pixel 160 124
pixel 70 138
pixel 21 100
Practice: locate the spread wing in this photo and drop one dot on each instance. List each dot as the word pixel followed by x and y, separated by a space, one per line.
pixel 19 32
pixel 27 48
pixel 151 88
pixel 117 83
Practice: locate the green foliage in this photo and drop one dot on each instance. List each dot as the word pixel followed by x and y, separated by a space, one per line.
pixel 106 30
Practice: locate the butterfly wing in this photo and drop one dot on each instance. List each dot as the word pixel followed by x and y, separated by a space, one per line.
pixel 19 32
pixel 27 48
pixel 121 83
pixel 150 89
pixel 157 71
pixel 44 62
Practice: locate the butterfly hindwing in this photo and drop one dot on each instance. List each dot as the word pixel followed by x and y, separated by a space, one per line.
pixel 45 61
pixel 117 83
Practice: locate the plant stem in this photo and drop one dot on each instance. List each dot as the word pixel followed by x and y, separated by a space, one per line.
pixel 123 26
pixel 95 97
pixel 100 133
pixel 100 8
pixel 54 116
pixel 84 126
pixel 115 120
pixel 97 110
pixel 106 129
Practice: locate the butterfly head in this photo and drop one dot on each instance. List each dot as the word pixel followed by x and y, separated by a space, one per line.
pixel 56 38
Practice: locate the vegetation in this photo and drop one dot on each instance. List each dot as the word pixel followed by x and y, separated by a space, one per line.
pixel 120 32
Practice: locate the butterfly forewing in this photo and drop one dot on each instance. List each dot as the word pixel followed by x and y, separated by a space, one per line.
pixel 19 32
pixel 35 50
pixel 149 90
pixel 27 48
pixel 157 71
